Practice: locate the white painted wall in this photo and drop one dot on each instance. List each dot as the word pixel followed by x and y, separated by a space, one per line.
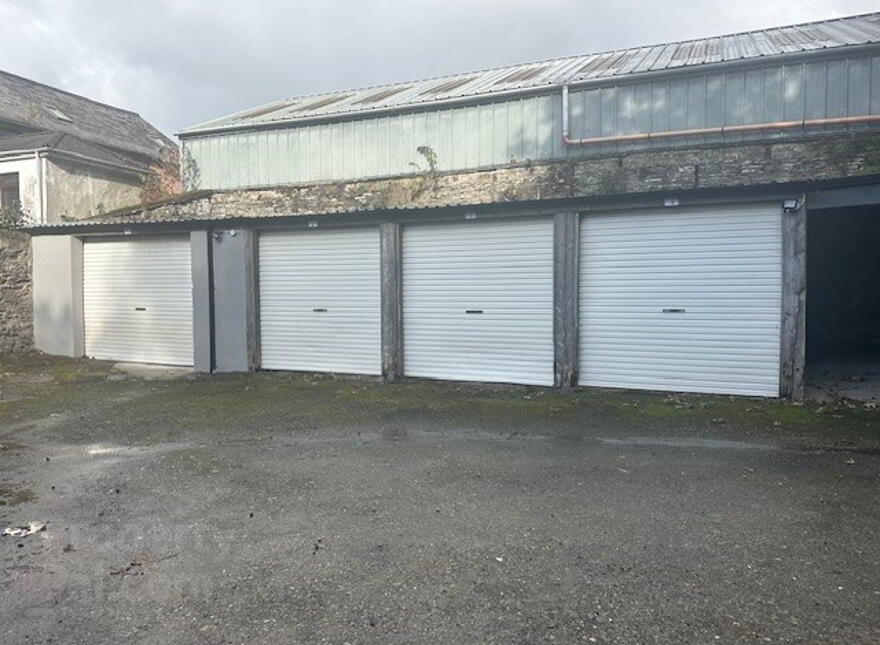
pixel 77 191
pixel 71 190
pixel 57 289
pixel 28 184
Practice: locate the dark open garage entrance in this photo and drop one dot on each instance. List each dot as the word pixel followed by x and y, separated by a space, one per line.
pixel 843 302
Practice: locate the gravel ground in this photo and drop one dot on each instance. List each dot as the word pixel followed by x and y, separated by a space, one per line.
pixel 287 508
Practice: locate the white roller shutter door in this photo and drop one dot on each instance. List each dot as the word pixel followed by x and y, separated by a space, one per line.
pixel 478 301
pixel 320 298
pixel 685 300
pixel 137 300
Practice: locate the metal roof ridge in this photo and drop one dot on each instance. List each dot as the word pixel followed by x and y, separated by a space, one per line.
pixel 197 128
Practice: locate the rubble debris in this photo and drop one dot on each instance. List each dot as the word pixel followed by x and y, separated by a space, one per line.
pixel 24 531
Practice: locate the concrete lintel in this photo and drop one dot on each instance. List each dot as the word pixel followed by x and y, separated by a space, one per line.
pixel 867 195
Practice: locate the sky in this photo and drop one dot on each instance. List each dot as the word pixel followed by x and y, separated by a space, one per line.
pixel 182 62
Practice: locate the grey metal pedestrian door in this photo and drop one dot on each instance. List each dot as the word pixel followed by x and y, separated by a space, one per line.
pixel 478 301
pixel 683 300
pixel 137 300
pixel 320 297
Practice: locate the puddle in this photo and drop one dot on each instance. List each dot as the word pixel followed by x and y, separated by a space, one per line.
pixel 402 434
pixel 113 450
pixel 15 495
pixel 673 442
pixel 148 372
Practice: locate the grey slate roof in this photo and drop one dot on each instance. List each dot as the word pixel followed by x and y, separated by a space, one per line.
pixel 31 104
pixel 63 142
pixel 829 34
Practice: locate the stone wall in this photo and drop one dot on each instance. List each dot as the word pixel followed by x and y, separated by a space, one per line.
pixel 163 180
pixel 16 326
pixel 843 155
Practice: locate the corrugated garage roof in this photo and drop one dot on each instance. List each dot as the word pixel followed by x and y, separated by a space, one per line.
pixel 828 34
pixel 131 216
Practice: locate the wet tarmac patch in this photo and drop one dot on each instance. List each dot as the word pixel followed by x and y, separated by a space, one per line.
pixel 11 495
pixel 688 442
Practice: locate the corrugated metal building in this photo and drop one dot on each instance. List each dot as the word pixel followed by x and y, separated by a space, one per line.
pixel 513 114
pixel 666 287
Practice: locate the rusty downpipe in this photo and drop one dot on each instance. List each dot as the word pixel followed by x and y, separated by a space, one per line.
pixel 566 139
pixel 719 130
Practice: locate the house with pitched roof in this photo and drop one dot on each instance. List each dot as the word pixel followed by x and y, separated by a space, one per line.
pixel 67 157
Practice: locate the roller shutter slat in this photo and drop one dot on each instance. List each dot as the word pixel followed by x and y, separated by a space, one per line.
pixel 722 265
pixel 150 273
pixel 301 271
pixel 503 268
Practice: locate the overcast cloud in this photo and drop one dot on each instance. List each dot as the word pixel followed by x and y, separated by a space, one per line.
pixel 180 62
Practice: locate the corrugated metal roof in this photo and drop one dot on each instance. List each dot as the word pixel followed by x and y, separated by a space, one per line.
pixel 842 32
pixel 134 217
pixel 140 216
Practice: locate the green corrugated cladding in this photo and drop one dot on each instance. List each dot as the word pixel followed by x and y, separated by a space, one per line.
pixel 530 128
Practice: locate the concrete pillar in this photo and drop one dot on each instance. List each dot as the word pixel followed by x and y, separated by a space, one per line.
pixel 566 243
pixel 202 305
pixel 235 291
pixel 794 305
pixel 58 294
pixel 392 301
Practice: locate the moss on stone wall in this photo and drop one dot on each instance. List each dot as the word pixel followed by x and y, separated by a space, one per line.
pixel 827 157
pixel 16 330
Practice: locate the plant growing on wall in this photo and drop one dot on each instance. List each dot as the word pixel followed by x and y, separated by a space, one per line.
pixel 190 175
pixel 430 157
pixel 12 218
pixel 429 176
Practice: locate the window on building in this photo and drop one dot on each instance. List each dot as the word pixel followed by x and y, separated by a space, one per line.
pixel 58 114
pixel 9 199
